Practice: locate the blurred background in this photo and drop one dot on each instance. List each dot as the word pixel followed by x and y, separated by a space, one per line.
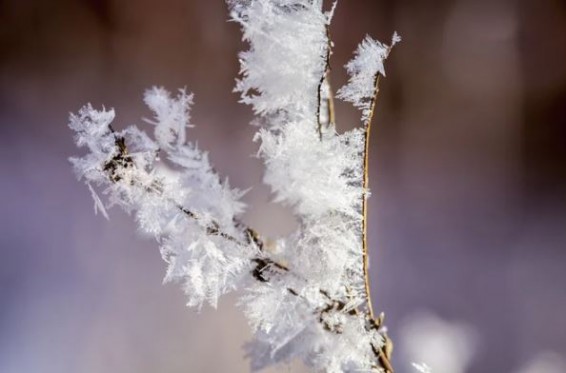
pixel 468 179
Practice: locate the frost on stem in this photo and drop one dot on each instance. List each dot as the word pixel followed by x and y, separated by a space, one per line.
pixel 364 69
pixel 307 296
pixel 282 69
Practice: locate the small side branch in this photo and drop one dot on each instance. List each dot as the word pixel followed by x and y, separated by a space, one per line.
pixel 325 79
pixel 365 185
pixel 383 353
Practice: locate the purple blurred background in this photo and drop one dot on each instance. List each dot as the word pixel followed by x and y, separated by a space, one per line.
pixel 468 174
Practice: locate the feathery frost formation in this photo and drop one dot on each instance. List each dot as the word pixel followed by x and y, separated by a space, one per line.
pixel 364 71
pixel 305 297
pixel 124 164
pixel 283 35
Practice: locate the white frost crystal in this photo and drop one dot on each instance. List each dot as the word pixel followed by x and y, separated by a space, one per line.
pixel 364 69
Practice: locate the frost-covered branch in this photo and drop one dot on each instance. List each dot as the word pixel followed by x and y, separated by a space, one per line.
pixel 131 181
pixel 307 295
pixel 365 71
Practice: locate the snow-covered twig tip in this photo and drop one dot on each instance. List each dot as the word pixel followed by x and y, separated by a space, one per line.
pixel 364 69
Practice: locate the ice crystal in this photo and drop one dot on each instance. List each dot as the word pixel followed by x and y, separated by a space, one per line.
pixel 364 70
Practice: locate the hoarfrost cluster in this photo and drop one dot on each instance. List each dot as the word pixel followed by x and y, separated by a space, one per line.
pixel 307 296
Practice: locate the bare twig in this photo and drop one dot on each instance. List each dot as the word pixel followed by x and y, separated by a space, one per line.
pixel 323 78
pixel 383 353
pixel 330 102
pixel 365 185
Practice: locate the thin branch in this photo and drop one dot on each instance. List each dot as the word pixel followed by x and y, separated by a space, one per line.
pixel 365 185
pixel 383 353
pixel 330 102
pixel 323 78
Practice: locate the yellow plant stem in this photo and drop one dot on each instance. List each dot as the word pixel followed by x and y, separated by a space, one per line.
pixel 365 186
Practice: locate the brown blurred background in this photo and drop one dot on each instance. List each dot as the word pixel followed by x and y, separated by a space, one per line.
pixel 468 213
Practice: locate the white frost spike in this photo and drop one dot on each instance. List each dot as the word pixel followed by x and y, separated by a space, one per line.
pixel 172 115
pixel 364 69
pixel 98 205
pixel 423 368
